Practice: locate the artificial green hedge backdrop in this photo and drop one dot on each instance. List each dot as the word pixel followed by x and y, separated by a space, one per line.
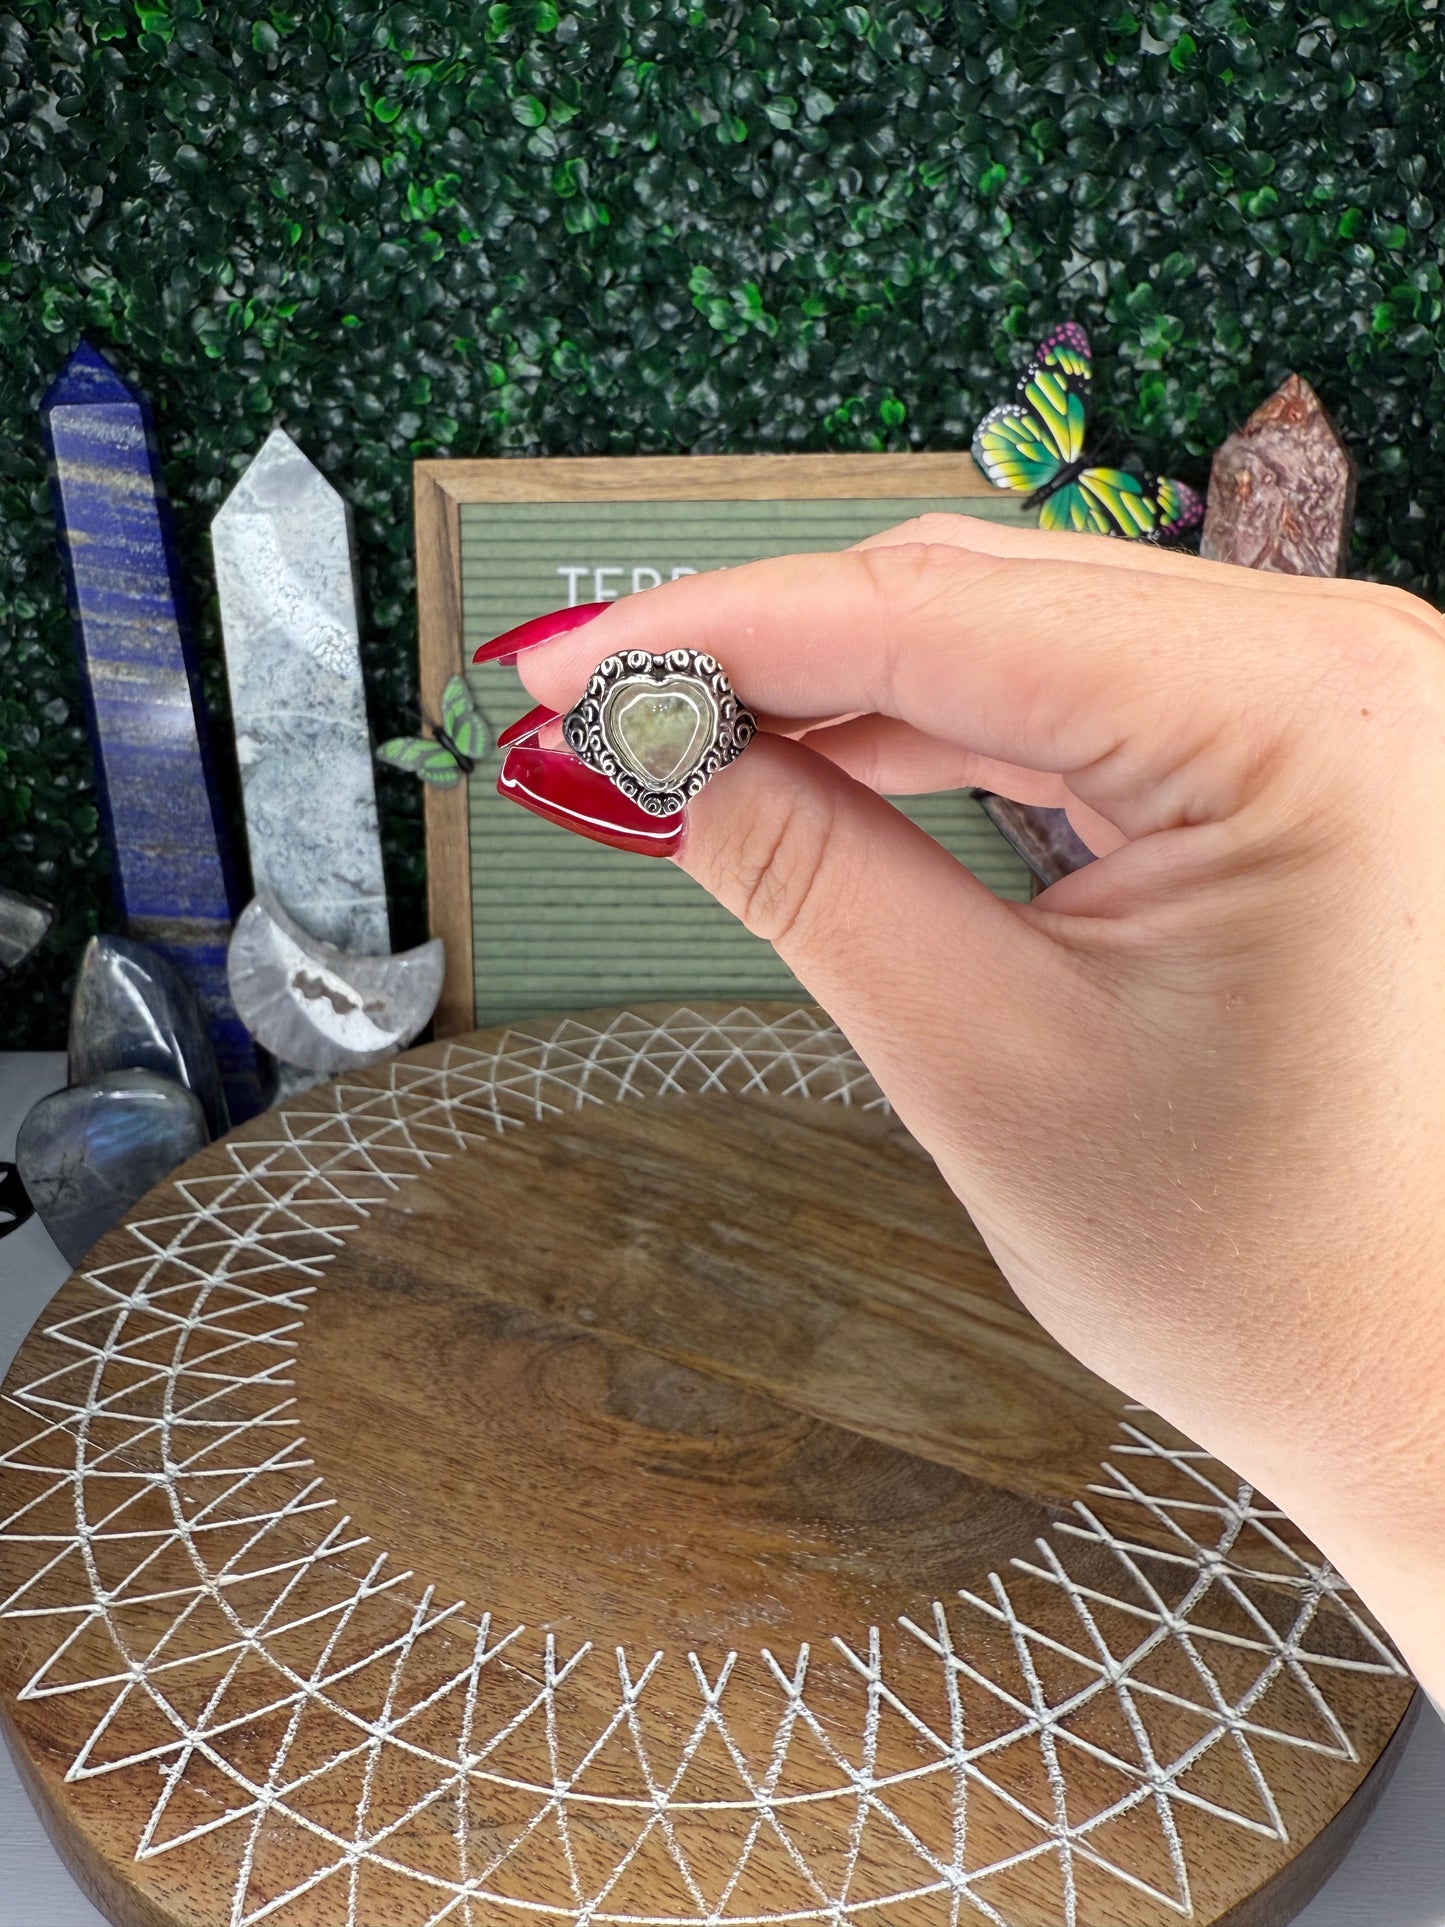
pixel 639 225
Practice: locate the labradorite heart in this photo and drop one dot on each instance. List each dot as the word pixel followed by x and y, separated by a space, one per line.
pixel 661 729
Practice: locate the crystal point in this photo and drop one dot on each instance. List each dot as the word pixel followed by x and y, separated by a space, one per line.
pixel 284 576
pixel 1282 489
pixel 173 874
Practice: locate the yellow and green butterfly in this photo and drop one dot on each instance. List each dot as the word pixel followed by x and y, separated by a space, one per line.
pixel 453 750
pixel 1035 446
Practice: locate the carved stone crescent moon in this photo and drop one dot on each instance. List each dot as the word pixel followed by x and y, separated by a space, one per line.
pixel 326 1009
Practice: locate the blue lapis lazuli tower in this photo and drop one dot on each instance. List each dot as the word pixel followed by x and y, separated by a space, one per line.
pixel 175 880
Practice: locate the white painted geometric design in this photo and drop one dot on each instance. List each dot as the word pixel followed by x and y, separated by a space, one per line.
pixel 210 1655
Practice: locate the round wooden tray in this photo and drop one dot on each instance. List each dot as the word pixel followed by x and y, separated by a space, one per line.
pixel 592 1473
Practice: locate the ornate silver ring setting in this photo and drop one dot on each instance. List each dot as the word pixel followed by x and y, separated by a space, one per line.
pixel 659 727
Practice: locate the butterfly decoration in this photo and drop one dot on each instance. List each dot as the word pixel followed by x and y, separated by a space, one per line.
pixel 454 748
pixel 1035 446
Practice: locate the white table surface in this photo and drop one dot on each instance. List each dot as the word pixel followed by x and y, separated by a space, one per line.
pixel 1393 1876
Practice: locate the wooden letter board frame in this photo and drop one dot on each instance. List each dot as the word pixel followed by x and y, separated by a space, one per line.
pixel 444 488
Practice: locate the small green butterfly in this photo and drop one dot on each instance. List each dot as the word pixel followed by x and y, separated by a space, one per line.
pixel 1035 446
pixel 457 744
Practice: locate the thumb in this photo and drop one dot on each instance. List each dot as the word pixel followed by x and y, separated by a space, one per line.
pixel 943 988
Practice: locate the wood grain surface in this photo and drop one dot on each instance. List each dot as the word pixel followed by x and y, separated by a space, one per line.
pixel 593 1472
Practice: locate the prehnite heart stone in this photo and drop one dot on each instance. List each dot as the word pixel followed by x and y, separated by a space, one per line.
pixel 662 730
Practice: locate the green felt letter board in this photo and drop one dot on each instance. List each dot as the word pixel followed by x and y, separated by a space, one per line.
pixel 556 922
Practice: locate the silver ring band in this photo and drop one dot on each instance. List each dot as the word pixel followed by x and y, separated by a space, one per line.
pixel 659 726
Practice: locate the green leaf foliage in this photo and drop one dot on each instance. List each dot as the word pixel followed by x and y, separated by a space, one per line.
pixel 616 226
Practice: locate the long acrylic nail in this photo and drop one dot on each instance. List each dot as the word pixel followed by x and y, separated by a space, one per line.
pixel 529 635
pixel 553 784
pixel 525 727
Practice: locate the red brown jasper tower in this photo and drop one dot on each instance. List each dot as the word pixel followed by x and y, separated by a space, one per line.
pixel 1282 489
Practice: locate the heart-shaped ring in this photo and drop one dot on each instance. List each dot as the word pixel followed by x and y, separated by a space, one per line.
pixel 646 735
pixel 658 727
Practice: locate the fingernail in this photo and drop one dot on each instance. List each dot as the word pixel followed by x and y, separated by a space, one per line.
pixel 528 635
pixel 532 724
pixel 554 785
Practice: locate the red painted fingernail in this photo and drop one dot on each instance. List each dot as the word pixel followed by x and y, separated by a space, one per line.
pixel 528 635
pixel 532 724
pixel 553 784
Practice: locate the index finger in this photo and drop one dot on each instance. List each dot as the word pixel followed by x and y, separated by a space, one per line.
pixel 1114 678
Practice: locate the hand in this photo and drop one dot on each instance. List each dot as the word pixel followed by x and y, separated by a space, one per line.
pixel 1193 1095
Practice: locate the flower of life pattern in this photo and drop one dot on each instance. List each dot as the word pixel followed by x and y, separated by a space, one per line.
pixel 225 1674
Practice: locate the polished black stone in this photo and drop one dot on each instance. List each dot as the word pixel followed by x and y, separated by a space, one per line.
pixel 133 1010
pixel 87 1154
